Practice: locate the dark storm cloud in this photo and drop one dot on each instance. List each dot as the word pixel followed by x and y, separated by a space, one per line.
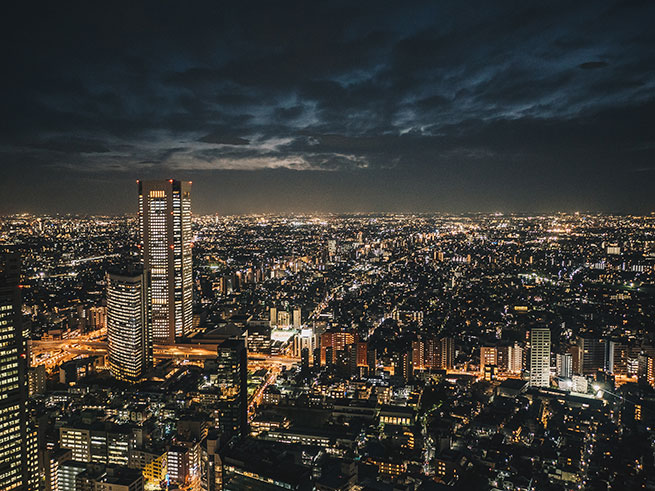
pixel 71 145
pixel 331 105
pixel 592 65
pixel 220 138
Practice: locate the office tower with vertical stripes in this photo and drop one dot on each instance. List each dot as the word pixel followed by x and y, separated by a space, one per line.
pixel 232 376
pixel 129 330
pixel 540 357
pixel 15 436
pixel 166 239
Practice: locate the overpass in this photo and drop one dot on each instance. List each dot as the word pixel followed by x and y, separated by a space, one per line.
pixel 160 351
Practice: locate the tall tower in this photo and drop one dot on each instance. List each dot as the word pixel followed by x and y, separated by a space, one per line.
pixel 129 330
pixel 591 355
pixel 232 364
pixel 165 224
pixel 13 386
pixel 447 353
pixel 540 357
pixel 564 364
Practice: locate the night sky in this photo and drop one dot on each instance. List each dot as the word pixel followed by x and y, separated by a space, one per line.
pixel 330 106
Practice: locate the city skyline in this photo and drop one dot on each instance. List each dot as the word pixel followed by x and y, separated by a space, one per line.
pixel 478 351
pixel 417 107
pixel 327 246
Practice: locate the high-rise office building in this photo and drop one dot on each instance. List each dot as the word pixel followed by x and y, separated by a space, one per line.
pixel 515 358
pixel 165 224
pixel 564 364
pixel 540 357
pixel 14 441
pixel 591 355
pixel 646 372
pixel 447 353
pixel 129 330
pixel 100 444
pixel 232 366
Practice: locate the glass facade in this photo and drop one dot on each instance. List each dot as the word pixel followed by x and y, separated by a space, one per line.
pixel 129 332
pixel 14 441
pixel 166 239
pixel 540 357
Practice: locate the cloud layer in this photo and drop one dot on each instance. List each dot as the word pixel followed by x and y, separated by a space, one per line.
pixel 331 106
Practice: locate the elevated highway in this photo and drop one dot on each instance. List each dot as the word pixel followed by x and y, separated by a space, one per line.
pixel 160 351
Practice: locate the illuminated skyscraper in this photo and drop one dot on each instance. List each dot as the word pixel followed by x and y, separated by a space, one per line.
pixel 540 357
pixel 129 330
pixel 14 443
pixel 232 364
pixel 165 224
